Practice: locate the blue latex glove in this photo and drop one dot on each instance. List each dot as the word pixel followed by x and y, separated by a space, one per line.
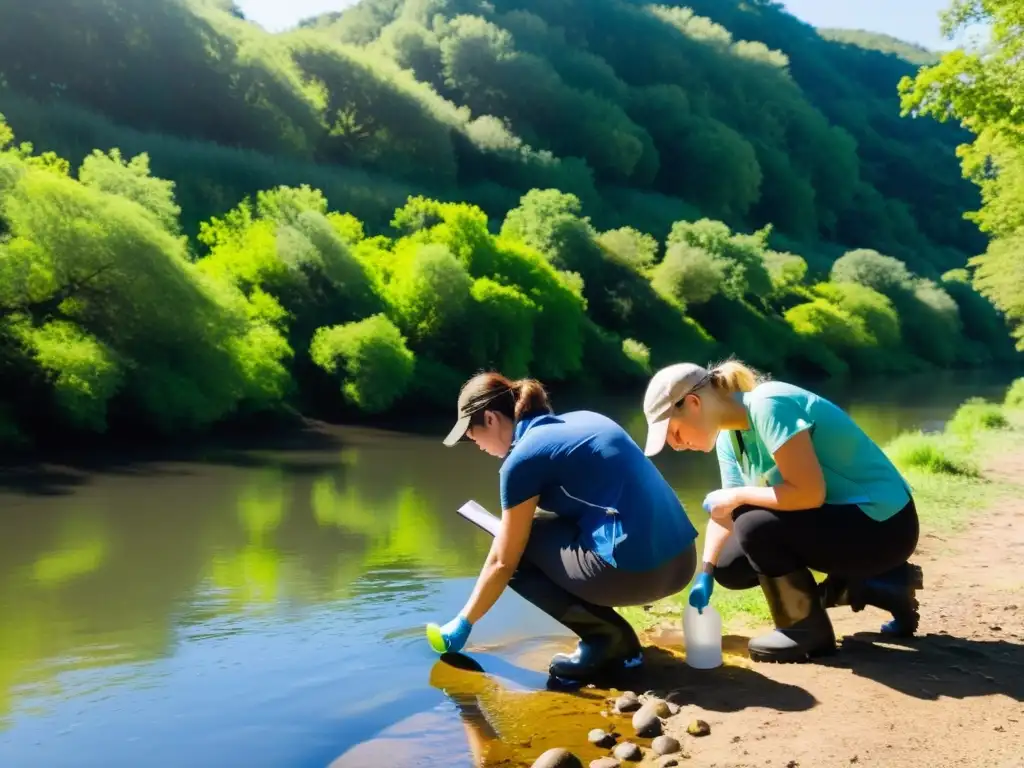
pixel 455 633
pixel 700 595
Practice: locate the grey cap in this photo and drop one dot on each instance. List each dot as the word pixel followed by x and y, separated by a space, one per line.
pixel 666 389
pixel 472 399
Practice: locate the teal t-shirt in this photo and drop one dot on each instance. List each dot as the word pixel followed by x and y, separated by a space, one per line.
pixel 856 470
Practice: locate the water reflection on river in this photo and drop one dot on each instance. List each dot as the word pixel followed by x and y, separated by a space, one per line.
pixel 265 608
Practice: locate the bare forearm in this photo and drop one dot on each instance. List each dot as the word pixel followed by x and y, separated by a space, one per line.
pixel 784 497
pixel 714 539
pixel 493 579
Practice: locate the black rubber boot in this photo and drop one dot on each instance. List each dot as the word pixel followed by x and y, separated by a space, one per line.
pixel 607 644
pixel 802 627
pixel 607 641
pixel 894 591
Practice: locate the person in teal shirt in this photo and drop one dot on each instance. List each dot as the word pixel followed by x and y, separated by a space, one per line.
pixel 803 489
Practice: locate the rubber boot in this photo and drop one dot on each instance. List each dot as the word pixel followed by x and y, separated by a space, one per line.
pixel 802 627
pixel 607 644
pixel 894 591
pixel 607 641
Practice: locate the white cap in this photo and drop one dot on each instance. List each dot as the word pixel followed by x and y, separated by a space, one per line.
pixel 667 388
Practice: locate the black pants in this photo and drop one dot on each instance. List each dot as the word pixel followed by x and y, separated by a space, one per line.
pixel 554 554
pixel 553 549
pixel 834 539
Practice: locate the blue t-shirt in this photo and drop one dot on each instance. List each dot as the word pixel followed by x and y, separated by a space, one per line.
pixel 587 468
pixel 855 469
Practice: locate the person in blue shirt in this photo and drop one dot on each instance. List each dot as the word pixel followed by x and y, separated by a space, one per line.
pixel 616 533
pixel 803 489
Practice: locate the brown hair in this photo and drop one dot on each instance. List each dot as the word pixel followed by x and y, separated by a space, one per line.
pixel 526 397
pixel 732 375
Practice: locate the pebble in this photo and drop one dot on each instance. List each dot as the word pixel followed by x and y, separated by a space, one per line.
pixel 557 758
pixel 647 720
pixel 627 702
pixel 627 750
pixel 698 728
pixel 665 745
pixel 601 738
pixel 605 762
pixel 668 761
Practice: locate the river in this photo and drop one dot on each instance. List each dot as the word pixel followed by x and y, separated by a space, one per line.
pixel 265 607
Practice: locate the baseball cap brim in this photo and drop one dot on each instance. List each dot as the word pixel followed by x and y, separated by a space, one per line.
pixel 657 434
pixel 458 431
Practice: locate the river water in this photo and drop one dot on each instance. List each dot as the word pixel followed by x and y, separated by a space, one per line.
pixel 265 607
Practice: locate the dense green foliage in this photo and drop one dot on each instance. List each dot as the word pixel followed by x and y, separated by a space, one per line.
pixel 110 317
pixel 352 217
pixel 982 90
pixel 648 113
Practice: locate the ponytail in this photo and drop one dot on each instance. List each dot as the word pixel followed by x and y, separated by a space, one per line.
pixel 531 398
pixel 515 400
pixel 731 376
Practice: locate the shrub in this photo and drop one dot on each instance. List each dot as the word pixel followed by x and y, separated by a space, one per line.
pixel 976 415
pixel 689 276
pixel 1015 395
pixel 638 352
pixel 371 358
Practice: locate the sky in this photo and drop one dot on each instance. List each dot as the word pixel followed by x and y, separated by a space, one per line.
pixel 916 21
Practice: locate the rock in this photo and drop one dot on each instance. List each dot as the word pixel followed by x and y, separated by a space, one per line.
pixel 647 720
pixel 668 761
pixel 601 738
pixel 626 703
pixel 665 745
pixel 660 706
pixel 698 728
pixel 627 750
pixel 557 758
pixel 605 762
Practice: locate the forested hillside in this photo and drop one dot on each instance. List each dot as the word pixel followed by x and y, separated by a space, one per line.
pixel 353 216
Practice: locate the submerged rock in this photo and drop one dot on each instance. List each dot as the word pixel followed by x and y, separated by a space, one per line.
pixel 557 758
pixel 698 728
pixel 665 745
pixel 605 762
pixel 669 760
pixel 601 738
pixel 627 750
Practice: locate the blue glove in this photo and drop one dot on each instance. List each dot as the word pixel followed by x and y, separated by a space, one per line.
pixel 455 633
pixel 700 594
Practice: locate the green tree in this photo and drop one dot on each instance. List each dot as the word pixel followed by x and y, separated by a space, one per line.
pixel 371 359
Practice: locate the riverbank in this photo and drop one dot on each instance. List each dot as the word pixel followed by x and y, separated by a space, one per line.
pixel 947 472
pixel 951 696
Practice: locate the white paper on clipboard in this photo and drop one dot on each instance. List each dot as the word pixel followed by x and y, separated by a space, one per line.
pixel 479 516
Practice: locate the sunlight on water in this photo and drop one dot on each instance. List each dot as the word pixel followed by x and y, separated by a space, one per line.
pixel 266 608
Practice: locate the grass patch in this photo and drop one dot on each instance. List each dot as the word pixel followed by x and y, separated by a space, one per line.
pixel 945 471
pixel 1015 395
pixel 974 416
pixel 932 454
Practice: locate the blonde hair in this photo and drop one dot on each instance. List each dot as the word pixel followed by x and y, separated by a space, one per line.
pixel 732 375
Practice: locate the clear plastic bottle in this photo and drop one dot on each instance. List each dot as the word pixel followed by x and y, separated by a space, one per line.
pixel 703 632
